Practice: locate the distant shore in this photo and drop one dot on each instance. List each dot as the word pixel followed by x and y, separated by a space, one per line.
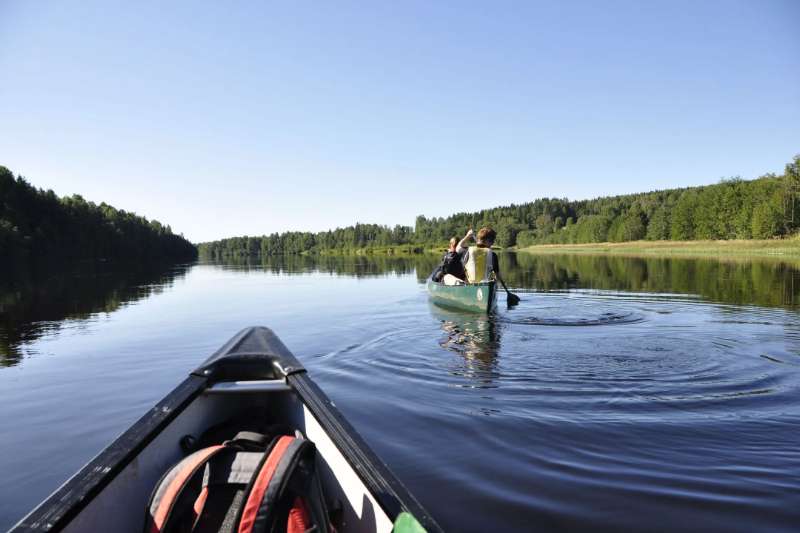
pixel 399 249
pixel 789 248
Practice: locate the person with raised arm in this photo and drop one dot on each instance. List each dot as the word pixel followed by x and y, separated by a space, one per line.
pixel 480 262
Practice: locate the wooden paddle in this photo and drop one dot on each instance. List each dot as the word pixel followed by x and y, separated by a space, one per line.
pixel 512 298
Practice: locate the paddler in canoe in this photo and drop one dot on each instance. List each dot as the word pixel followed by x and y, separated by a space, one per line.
pixel 451 271
pixel 472 264
pixel 480 262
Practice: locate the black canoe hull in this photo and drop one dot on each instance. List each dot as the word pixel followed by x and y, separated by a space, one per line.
pixel 253 373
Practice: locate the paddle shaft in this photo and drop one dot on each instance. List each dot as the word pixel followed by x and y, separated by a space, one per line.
pixel 513 298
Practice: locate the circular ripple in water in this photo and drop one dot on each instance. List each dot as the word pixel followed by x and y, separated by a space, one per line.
pixel 677 407
pixel 570 309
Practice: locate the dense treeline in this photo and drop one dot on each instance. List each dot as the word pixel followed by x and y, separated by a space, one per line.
pixel 295 242
pixel 733 209
pixel 38 225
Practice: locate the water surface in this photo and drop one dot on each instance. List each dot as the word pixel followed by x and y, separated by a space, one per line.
pixel 622 393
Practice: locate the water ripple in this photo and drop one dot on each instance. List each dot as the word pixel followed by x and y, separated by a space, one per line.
pixel 670 410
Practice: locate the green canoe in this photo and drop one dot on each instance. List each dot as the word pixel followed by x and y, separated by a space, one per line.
pixel 477 297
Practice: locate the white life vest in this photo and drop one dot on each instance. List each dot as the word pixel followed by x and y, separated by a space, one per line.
pixel 479 264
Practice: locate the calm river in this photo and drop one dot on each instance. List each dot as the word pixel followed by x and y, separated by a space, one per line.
pixel 621 394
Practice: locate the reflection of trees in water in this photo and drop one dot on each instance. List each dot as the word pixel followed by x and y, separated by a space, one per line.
pixel 340 265
pixel 753 281
pixel 758 281
pixel 35 303
pixel 474 336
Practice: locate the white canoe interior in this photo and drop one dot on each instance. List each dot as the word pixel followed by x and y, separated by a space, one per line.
pixel 121 505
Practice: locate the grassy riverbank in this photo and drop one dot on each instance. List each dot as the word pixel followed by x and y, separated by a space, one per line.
pixel 789 248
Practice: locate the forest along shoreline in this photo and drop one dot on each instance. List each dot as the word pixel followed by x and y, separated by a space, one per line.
pixel 788 247
pixel 736 217
pixel 39 229
pixel 763 212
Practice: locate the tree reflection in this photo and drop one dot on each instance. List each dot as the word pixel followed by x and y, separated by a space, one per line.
pixel 37 302
pixel 742 281
pixel 359 266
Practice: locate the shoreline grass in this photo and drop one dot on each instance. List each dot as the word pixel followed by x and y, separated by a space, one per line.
pixel 779 248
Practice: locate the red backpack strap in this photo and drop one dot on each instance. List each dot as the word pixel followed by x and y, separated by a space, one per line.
pixel 269 504
pixel 171 486
pixel 299 517
pixel 261 483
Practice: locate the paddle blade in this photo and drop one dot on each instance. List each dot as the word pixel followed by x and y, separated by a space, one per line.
pixel 512 299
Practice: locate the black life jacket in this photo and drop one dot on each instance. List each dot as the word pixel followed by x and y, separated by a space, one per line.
pixel 243 485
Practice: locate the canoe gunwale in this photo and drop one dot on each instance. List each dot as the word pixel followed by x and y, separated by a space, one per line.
pixel 66 502
pixel 54 513
pixel 391 494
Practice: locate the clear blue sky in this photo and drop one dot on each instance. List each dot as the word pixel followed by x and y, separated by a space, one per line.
pixel 231 118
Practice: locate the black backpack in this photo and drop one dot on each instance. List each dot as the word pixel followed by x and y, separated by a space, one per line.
pixel 451 264
pixel 244 485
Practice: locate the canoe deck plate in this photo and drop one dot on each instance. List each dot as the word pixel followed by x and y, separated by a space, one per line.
pixel 235 387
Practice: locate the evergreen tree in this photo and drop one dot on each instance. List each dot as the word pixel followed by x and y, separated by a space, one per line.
pixel 38 225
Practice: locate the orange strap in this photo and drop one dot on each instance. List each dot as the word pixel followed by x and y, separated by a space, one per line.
pixel 299 517
pixel 194 462
pixel 262 483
